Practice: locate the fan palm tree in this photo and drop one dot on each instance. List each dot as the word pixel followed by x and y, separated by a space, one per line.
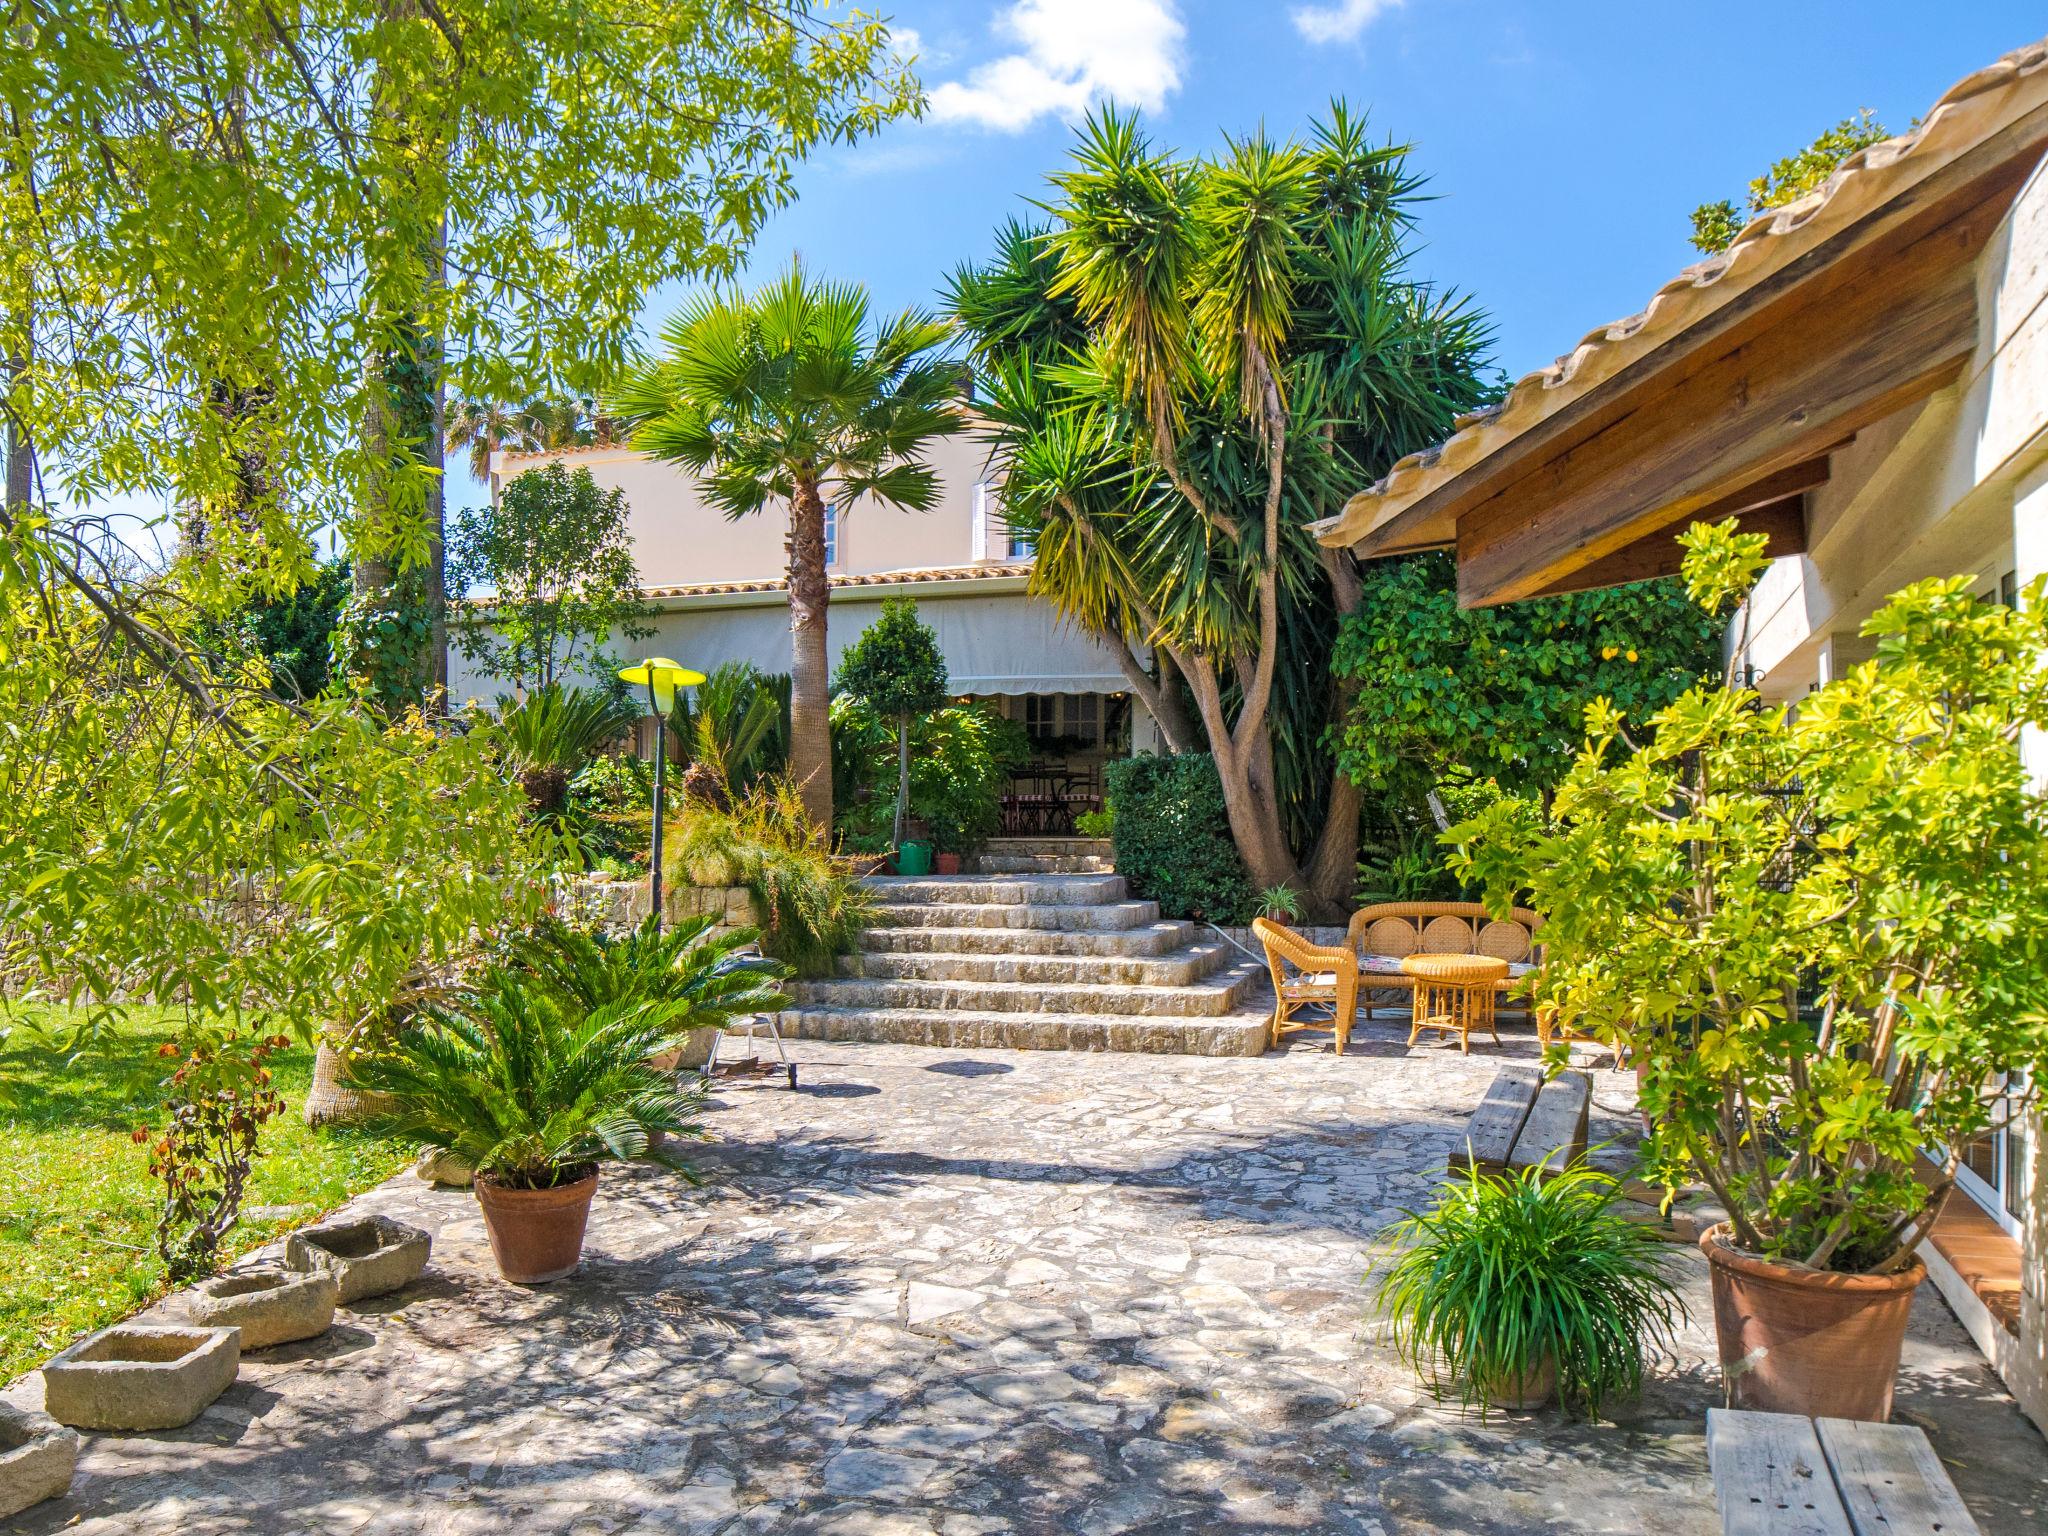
pixel 787 396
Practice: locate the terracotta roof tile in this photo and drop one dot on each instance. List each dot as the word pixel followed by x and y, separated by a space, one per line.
pixel 839 583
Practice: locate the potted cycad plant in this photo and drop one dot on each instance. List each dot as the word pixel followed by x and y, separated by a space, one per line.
pixel 1822 935
pixel 534 1091
pixel 1513 1286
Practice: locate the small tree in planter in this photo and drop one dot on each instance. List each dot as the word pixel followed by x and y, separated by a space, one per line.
pixel 1822 938
pixel 896 666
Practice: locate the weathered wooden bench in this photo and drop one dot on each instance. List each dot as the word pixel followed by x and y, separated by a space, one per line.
pixel 1524 1122
pixel 1777 1474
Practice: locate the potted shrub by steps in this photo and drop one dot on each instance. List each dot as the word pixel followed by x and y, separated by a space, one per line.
pixel 1514 1286
pixel 1818 939
pixel 534 1091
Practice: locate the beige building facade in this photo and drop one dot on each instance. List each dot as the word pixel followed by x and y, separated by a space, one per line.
pixel 720 594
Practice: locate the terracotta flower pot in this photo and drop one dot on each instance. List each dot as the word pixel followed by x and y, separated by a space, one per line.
pixel 946 863
pixel 1797 1340
pixel 536 1234
pixel 1521 1394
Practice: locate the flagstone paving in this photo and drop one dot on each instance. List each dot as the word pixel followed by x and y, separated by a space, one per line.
pixel 967 1293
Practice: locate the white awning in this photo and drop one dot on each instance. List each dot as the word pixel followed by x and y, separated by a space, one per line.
pixel 994 643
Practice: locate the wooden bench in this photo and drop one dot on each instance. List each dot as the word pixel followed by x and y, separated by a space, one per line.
pixel 1777 1474
pixel 1524 1122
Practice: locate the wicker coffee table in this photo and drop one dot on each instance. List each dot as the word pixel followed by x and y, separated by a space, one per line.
pixel 1454 994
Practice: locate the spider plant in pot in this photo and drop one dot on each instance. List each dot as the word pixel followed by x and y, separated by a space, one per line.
pixel 534 1091
pixel 1513 1286
pixel 1819 936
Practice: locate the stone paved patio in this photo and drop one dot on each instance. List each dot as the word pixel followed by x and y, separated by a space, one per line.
pixel 968 1293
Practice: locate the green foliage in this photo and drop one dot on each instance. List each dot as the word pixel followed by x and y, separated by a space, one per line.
pixel 961 757
pixel 528 1086
pixel 1506 1272
pixel 295 631
pixel 1879 852
pixel 551 733
pixel 1502 692
pixel 170 831
pixel 219 1098
pixel 1193 360
pixel 812 906
pixel 895 664
pixel 304 163
pixel 758 394
pixel 1172 838
pixel 610 809
pixel 1100 823
pixel 701 978
pixel 1715 225
pixel 555 560
pixel 735 725
pixel 1282 903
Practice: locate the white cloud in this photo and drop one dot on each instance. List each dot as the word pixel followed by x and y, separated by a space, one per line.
pixel 1344 22
pixel 1069 54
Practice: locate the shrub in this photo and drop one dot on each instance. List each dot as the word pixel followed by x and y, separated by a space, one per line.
pixel 812 906
pixel 1506 1273
pixel 1818 934
pixel 961 756
pixel 1100 823
pixel 1172 838
pixel 611 810
pixel 529 1087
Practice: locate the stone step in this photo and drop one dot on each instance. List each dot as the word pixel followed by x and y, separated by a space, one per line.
pixel 999 890
pixel 1242 1032
pixel 1092 847
pixel 1145 939
pixel 1176 970
pixel 1106 917
pixel 1215 994
pixel 1042 864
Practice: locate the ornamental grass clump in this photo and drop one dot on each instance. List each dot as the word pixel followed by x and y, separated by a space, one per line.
pixel 1511 1276
pixel 1821 934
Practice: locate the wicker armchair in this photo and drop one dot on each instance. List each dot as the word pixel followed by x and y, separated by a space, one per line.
pixel 1305 976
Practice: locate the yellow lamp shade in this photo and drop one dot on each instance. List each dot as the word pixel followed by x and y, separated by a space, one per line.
pixel 661 678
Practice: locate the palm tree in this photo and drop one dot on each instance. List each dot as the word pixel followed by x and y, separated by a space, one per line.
pixel 784 396
pixel 481 428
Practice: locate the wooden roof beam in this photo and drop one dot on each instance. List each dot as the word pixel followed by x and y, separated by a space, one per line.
pixel 1902 327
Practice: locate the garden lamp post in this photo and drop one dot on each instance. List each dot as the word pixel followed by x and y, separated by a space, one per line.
pixel 661 678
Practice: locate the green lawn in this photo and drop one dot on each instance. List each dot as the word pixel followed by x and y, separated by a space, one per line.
pixel 77 1205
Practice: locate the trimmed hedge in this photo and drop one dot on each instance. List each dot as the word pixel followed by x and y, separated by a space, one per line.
pixel 1172 838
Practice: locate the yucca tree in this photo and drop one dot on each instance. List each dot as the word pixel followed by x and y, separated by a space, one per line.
pixel 789 396
pixel 528 1087
pixel 1189 363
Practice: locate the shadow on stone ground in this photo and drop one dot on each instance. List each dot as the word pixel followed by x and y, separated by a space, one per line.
pixel 961 1294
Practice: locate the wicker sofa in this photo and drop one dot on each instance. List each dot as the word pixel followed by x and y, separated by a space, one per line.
pixel 1384 934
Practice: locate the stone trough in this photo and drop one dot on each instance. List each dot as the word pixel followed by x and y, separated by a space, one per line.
pixel 37 1456
pixel 140 1376
pixel 270 1305
pixel 366 1255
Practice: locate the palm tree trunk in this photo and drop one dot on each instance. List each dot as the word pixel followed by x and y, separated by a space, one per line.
pixel 810 683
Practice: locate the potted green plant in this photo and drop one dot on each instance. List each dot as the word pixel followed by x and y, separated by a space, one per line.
pixel 534 1091
pixel 1280 904
pixel 1513 1286
pixel 896 666
pixel 1820 936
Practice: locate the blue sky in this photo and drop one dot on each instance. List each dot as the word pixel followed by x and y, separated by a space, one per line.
pixel 1566 141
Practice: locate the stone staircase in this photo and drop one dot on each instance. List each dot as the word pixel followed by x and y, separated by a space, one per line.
pixel 1035 960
